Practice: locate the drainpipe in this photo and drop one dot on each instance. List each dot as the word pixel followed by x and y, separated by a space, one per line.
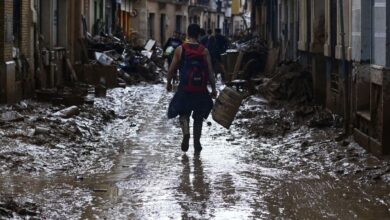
pixel 345 72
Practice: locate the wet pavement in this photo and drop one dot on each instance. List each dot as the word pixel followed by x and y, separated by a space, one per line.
pixel 288 170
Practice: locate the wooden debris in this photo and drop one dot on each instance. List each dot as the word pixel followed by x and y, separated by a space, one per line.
pixel 68 112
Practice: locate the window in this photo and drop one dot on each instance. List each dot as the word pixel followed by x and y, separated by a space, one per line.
pixel 151 25
pixel 178 23
pixel 162 29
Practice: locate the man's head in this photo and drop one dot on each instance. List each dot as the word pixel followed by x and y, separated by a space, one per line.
pixel 218 31
pixel 193 31
pixel 176 34
pixel 209 32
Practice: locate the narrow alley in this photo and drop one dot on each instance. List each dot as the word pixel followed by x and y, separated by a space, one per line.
pixel 302 174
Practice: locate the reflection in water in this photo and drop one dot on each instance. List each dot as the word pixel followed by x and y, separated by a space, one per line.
pixel 228 190
pixel 196 193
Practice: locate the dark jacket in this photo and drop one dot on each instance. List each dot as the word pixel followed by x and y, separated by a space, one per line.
pixel 221 43
pixel 212 47
pixel 173 42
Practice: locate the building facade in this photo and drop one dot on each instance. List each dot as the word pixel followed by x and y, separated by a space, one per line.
pixel 125 14
pixel 240 16
pixel 210 14
pixel 58 31
pixel 344 44
pixel 370 81
pixel 42 39
pixel 158 19
pixel 16 56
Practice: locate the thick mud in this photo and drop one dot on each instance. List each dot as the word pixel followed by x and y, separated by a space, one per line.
pixel 124 162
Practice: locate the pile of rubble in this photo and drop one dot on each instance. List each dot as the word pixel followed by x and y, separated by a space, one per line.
pixel 107 62
pixel 131 64
pixel 10 209
pixel 245 59
pixel 251 44
pixel 291 85
pixel 267 124
pixel 258 67
pixel 290 82
pixel 36 123
pixel 44 129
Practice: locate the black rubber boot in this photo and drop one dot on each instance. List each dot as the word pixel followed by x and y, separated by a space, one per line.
pixel 185 128
pixel 197 134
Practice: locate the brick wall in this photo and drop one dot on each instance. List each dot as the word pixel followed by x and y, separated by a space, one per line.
pixel 6 13
pixel 12 88
pixel 5 16
pixel 26 22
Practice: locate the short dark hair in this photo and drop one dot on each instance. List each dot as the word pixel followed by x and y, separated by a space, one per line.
pixel 218 30
pixel 193 31
pixel 209 31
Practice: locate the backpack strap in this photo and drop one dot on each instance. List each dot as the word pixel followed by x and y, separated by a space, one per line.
pixel 183 53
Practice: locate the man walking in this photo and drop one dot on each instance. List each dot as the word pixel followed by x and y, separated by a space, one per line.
pixel 221 41
pixel 202 36
pixel 170 46
pixel 169 49
pixel 211 45
pixel 221 45
pixel 204 40
pixel 192 96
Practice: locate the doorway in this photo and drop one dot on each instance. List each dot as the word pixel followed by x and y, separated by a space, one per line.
pixel 151 25
pixel 178 23
pixel 162 28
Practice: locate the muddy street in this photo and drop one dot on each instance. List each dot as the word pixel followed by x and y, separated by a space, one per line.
pixel 134 168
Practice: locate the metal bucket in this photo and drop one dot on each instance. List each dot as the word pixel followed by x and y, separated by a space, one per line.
pixel 226 107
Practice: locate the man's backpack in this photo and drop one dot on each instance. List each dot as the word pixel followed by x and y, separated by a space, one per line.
pixel 194 73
